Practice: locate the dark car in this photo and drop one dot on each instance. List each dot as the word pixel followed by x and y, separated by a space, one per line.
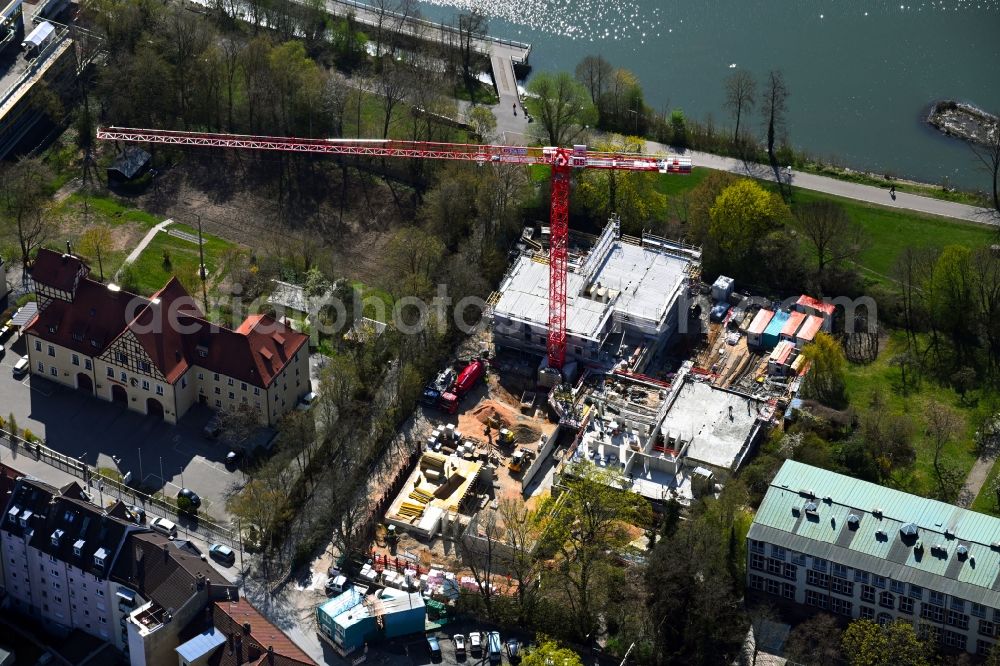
pixel 213 428
pixel 191 496
pixel 222 554
pixel 513 650
pixel 433 646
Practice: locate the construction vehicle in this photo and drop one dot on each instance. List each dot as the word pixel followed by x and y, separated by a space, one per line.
pixel 467 379
pixel 517 461
pixel 506 437
pixel 431 396
pixel 561 162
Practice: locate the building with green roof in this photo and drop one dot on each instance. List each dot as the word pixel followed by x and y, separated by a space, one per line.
pixel 861 550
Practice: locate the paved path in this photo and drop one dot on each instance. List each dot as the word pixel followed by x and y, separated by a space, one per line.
pixel 841 188
pixel 146 240
pixel 977 477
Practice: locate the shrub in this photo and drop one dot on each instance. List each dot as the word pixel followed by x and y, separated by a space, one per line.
pixel 184 505
pixel 29 436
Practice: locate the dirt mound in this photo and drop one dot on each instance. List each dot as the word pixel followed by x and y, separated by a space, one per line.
pixel 526 434
pixel 494 414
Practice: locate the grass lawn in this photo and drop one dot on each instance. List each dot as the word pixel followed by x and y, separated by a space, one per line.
pixel 986 500
pixel 152 271
pixel 861 381
pixel 378 303
pixel 107 209
pixel 672 184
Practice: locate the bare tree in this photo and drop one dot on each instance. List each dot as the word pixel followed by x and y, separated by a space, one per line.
pixel 774 105
pixel 595 73
pixel 741 92
pixel 391 86
pixel 943 426
pixel 471 27
pixel 23 194
pixel 835 237
pixel 988 153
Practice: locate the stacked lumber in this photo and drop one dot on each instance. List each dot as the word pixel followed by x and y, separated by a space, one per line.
pixel 421 495
pixel 409 510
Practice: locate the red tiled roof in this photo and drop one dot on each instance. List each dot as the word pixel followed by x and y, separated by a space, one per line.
pixel 229 618
pixel 816 304
pixel 170 328
pixel 56 270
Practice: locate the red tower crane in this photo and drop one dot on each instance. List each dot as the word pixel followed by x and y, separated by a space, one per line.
pixel 561 161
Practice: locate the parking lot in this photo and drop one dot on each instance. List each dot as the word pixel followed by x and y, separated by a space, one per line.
pixel 108 435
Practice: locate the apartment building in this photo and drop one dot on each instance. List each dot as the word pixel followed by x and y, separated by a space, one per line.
pixel 158 356
pixel 859 550
pixel 73 565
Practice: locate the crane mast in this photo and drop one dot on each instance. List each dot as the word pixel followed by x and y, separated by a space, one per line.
pixel 561 161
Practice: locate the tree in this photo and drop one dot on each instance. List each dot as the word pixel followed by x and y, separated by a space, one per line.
pixel 549 653
pixel 391 86
pixel 24 193
pixel 953 303
pixel 988 153
pixel 316 283
pixel 94 242
pixel 741 215
pixel 632 195
pixel 678 129
pixel 834 236
pixel 591 523
pixel 825 380
pixel 414 256
pixel 261 502
pixel 471 28
pixel 867 643
pixel 815 642
pixel 741 90
pixel 943 425
pixel 483 122
pixel 774 106
pixel 594 73
pixel 561 105
pixel 887 437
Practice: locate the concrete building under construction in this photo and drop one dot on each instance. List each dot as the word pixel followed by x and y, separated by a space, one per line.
pixel 624 299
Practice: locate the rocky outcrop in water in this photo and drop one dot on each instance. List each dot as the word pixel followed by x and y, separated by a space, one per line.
pixel 964 121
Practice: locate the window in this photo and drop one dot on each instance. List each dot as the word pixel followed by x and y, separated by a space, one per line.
pixel 76 360
pixel 159 389
pixel 931 612
pixel 897 587
pixel 798 559
pixel 817 579
pixel 887 600
pixel 121 357
pixel 230 381
pixel 218 391
pixel 144 366
pixel 41 367
pixel 884 619
pixel 201 375
pixel 983 647
pixel 916 592
pixel 243 386
pixel 860 576
pixel 868 593
pixel 216 376
pixel 987 628
pixel 956 619
pixel 842 587
pixel 978 610
pixel 757 561
pixel 54 371
pixel 124 376
pixel 38 345
pixel 937 598
pixel 879 581
pixel 232 396
pixel 184 382
pixel 756 546
pixel 86 363
pixel 218 403
pixel 111 372
pixel 814 598
pixel 953 639
pixel 958 604
pixel 840 606
pixel 244 400
pixel 145 384
pixel 756 582
pixel 838 570
pixel 256 390
pixel 906 605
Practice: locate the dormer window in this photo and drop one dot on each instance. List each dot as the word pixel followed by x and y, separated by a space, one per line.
pixel 78 547
pixel 202 351
pixel 99 557
pixel 145 366
pixel 24 518
pixel 56 537
pixel 53 328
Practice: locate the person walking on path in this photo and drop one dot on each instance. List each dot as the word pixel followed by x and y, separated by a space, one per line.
pixel 514 105
pixel 892 191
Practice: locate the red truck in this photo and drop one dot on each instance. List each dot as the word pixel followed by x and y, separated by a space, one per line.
pixel 464 383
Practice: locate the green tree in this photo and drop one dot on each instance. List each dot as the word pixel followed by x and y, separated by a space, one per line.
pixel 633 195
pixel 815 642
pixel 952 301
pixel 316 282
pixel 825 380
pixel 678 129
pixel 868 643
pixel 94 242
pixel 549 653
pixel 483 122
pixel 23 195
pixel 741 216
pixel 561 105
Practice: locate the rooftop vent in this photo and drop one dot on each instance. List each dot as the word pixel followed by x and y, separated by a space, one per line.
pixel 56 536
pixel 805 492
pixel 853 521
pixel 939 549
pixel 810 507
pixel 995 545
pixel 880 535
pixel 949 533
pixel 918 547
pixel 828 499
pixel 962 552
pixel 908 530
pixel 877 512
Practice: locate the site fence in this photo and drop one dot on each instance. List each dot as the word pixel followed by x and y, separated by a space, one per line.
pixel 99 486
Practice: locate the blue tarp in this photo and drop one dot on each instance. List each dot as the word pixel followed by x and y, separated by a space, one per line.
pixel 773 330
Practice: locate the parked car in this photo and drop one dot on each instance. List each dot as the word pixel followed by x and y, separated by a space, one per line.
pixel 459 641
pixel 433 646
pixel 6 331
pixel 337 584
pixel 213 428
pixel 493 648
pixel 190 496
pixel 476 643
pixel 513 651
pixel 306 402
pixel 3 351
pixel 163 526
pixel 21 367
pixel 222 554
pixel 138 513
pixel 233 458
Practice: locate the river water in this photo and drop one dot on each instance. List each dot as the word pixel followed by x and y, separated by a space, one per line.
pixel 861 74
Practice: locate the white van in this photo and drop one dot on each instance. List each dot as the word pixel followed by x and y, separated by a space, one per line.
pixel 493 647
pixel 21 367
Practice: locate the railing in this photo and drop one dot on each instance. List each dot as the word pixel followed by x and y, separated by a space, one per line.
pixel 431 24
pixel 36 64
pixel 114 489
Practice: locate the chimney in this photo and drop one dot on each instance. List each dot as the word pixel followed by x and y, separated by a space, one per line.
pixel 69 248
pixel 246 628
pixel 270 654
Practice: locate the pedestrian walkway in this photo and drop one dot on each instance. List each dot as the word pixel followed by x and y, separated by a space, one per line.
pixel 146 240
